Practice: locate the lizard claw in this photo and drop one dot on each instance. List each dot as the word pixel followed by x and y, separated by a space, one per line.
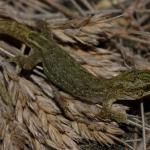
pixel 16 61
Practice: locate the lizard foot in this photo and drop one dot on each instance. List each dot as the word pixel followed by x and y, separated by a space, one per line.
pixel 25 62
pixel 108 113
pixel 15 60
pixel 18 60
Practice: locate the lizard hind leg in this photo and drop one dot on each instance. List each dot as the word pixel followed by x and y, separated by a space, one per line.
pixel 26 62
pixel 111 113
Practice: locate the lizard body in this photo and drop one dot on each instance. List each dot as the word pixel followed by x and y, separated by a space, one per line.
pixel 63 71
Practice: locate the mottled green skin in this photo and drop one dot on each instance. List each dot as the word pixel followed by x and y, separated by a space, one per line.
pixel 62 70
pixel 67 74
pixel 131 85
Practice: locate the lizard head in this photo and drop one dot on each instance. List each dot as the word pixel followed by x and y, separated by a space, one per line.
pixel 132 85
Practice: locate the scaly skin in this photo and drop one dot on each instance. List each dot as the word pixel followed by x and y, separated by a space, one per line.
pixel 63 71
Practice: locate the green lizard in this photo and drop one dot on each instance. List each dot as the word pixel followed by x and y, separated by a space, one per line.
pixel 63 71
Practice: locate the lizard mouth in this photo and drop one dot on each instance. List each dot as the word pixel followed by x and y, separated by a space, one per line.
pixel 134 97
pixel 126 97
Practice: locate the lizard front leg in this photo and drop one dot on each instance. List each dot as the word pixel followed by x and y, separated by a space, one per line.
pixel 110 113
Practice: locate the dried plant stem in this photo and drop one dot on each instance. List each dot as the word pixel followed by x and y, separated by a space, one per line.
pixel 143 125
pixel 62 9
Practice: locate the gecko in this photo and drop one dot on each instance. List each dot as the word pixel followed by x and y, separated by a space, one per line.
pixel 68 75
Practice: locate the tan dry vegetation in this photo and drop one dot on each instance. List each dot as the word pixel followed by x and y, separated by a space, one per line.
pixel 105 43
